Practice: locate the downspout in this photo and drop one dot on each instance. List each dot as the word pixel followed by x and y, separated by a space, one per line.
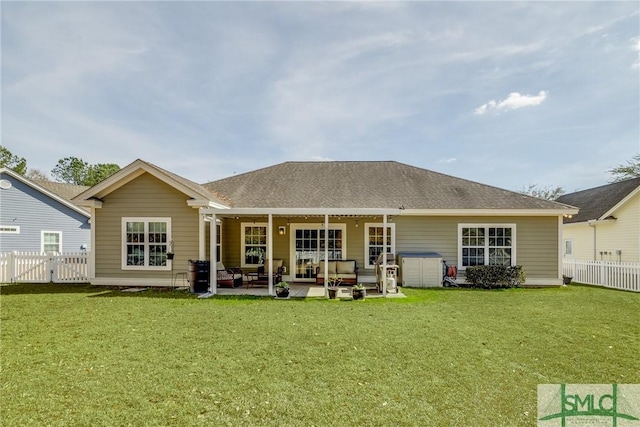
pixel 92 253
pixel 213 276
pixel 202 253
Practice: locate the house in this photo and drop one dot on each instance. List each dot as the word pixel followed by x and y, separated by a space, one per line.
pixel 37 216
pixel 303 212
pixel 608 224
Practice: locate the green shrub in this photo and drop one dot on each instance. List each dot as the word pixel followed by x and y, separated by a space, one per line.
pixel 494 276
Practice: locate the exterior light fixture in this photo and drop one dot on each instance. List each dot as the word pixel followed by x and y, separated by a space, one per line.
pixel 282 230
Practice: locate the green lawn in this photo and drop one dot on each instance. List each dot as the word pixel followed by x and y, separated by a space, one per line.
pixel 83 356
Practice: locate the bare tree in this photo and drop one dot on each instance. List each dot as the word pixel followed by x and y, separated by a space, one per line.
pixel 37 175
pixel 543 192
pixel 628 171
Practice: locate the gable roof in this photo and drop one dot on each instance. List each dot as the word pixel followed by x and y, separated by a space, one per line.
pixel 600 202
pixel 49 189
pixel 367 184
pixel 199 194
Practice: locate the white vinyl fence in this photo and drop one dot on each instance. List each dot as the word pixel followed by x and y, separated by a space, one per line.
pixel 35 267
pixel 610 274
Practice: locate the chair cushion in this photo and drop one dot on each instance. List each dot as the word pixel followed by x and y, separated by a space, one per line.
pixel 332 267
pixel 345 267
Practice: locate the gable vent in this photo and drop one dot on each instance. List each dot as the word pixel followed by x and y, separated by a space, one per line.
pixel 5 184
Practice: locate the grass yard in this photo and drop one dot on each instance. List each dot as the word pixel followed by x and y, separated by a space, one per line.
pixel 83 356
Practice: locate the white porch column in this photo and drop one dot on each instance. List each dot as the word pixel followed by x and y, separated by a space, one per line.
pixel 270 252
pixel 202 252
pixel 213 259
pixel 384 255
pixel 326 255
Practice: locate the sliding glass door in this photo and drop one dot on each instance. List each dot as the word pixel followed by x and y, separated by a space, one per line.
pixel 309 247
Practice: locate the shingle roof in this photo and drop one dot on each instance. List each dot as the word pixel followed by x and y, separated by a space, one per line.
pixel 595 202
pixel 365 184
pixel 64 190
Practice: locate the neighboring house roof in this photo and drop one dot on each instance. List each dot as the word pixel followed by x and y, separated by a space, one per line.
pixel 49 189
pixel 367 184
pixel 599 203
pixel 68 191
pixel 199 194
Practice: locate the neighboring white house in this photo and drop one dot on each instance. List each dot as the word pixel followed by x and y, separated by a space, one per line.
pixel 608 224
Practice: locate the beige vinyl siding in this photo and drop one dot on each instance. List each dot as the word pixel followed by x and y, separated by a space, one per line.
pixel 536 239
pixel 581 236
pixel 622 234
pixel 146 196
pixel 232 241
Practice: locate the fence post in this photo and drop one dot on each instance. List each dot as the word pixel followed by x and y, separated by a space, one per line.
pixel 52 268
pixel 12 267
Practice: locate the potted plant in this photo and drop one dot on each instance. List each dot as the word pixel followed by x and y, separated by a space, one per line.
pixel 358 291
pixel 333 286
pixel 566 279
pixel 170 253
pixel 282 290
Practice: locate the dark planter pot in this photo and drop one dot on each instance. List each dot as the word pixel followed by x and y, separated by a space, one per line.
pixel 282 292
pixel 170 256
pixel 567 280
pixel 333 293
pixel 358 294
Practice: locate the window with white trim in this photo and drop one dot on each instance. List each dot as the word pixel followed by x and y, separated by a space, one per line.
pixel 486 244
pixel 374 241
pixel 568 247
pixel 51 241
pixel 145 242
pixel 9 229
pixel 254 244
pixel 218 242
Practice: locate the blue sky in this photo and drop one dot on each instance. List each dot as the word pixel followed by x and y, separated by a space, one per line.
pixel 508 94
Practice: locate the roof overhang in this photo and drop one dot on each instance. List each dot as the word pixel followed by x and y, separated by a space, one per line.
pixel 388 211
pixel 490 212
pixel 76 207
pixel 200 203
pixel 302 211
pixel 621 203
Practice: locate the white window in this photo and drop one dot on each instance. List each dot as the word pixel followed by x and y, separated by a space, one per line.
pixel 218 242
pixel 51 241
pixel 486 244
pixel 568 247
pixel 254 244
pixel 145 242
pixel 374 242
pixel 9 229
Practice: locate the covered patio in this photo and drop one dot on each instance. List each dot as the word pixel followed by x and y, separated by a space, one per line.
pixel 326 220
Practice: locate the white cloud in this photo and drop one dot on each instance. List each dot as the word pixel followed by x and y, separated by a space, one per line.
pixel 514 101
pixel 448 160
pixel 635 45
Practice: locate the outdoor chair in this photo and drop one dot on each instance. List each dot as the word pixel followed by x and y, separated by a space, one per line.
pixel 263 271
pixel 228 276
